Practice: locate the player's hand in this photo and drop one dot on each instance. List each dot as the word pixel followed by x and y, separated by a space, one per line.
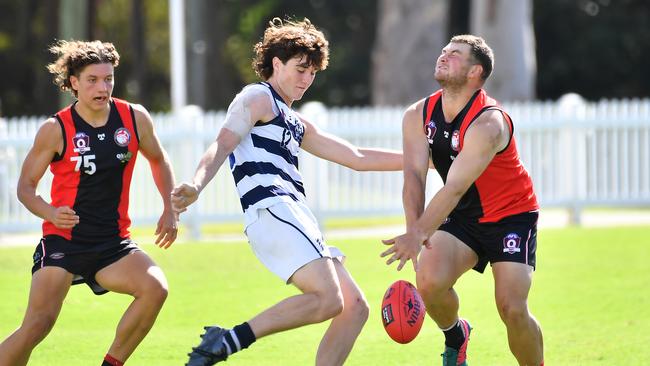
pixel 167 229
pixel 404 247
pixel 183 195
pixel 64 217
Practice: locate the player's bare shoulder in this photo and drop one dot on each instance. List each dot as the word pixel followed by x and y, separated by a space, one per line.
pixel 412 118
pixel 143 121
pixel 492 125
pixel 50 135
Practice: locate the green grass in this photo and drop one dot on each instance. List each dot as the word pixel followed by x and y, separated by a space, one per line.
pixel 590 293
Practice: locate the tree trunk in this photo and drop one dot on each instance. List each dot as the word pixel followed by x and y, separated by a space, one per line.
pixel 507 27
pixel 410 35
pixel 137 86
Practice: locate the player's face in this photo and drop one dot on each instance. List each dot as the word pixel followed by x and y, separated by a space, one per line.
pixel 94 85
pixel 453 64
pixel 294 77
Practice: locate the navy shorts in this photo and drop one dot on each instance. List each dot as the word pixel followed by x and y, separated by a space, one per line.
pixel 512 239
pixel 82 260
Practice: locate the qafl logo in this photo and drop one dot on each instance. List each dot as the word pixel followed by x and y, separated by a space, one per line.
pixel 81 143
pixel 511 243
pixel 430 130
pixel 122 137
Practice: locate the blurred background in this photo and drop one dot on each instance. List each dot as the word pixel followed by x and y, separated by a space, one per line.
pixel 382 51
pixel 572 73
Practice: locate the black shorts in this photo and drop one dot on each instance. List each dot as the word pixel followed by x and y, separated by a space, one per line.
pixel 512 239
pixel 82 260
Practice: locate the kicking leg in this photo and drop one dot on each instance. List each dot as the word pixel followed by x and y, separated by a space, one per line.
pixel 345 327
pixel 136 275
pixel 49 287
pixel 321 299
pixel 512 284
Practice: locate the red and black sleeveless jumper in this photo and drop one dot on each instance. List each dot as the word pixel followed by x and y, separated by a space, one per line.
pixel 504 188
pixel 93 174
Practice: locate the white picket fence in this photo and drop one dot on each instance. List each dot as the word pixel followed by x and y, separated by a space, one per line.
pixel 579 154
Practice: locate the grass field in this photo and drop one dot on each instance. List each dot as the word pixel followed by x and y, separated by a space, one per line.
pixel 590 293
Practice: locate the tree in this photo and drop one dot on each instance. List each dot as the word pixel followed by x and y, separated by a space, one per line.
pixel 410 35
pixel 507 27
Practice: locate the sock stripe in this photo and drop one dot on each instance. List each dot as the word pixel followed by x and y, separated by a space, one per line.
pixel 451 327
pixel 235 340
pixel 228 349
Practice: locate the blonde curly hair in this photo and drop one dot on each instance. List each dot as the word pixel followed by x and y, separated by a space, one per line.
pixel 74 56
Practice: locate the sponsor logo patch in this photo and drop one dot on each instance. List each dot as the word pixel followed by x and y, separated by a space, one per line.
pixel 387 315
pixel 124 157
pixel 57 255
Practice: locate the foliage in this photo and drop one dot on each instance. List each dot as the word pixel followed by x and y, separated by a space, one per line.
pixel 598 49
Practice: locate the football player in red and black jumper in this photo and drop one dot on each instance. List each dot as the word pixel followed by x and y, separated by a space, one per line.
pixel 486 210
pixel 91 148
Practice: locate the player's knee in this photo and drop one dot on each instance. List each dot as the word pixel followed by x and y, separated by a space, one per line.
pixel 330 305
pixel 37 327
pixel 155 291
pixel 513 312
pixel 359 307
pixel 430 287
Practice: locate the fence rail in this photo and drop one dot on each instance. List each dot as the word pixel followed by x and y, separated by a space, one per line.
pixel 579 154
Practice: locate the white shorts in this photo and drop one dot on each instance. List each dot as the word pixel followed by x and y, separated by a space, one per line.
pixel 286 236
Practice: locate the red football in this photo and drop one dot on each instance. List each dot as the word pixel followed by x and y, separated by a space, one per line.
pixel 402 311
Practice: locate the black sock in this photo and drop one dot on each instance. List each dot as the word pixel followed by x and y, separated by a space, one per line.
pixel 238 338
pixel 454 336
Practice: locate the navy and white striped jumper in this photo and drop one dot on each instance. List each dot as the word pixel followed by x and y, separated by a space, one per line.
pixel 265 163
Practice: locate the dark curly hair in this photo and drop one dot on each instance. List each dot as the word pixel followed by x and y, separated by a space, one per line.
pixel 286 40
pixel 74 56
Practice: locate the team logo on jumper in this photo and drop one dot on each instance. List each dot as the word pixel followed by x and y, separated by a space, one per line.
pixel 455 140
pixel 295 126
pixel 124 157
pixel 81 143
pixel 430 129
pixel 122 137
pixel 57 255
pixel 511 243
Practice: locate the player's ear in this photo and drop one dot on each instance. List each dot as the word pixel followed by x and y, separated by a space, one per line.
pixel 277 63
pixel 476 71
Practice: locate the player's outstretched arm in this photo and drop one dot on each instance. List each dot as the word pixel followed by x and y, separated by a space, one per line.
pixel 163 176
pixel 335 149
pixel 246 109
pixel 416 166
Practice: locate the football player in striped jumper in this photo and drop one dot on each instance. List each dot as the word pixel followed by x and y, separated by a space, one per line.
pixel 262 137
pixel 91 147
